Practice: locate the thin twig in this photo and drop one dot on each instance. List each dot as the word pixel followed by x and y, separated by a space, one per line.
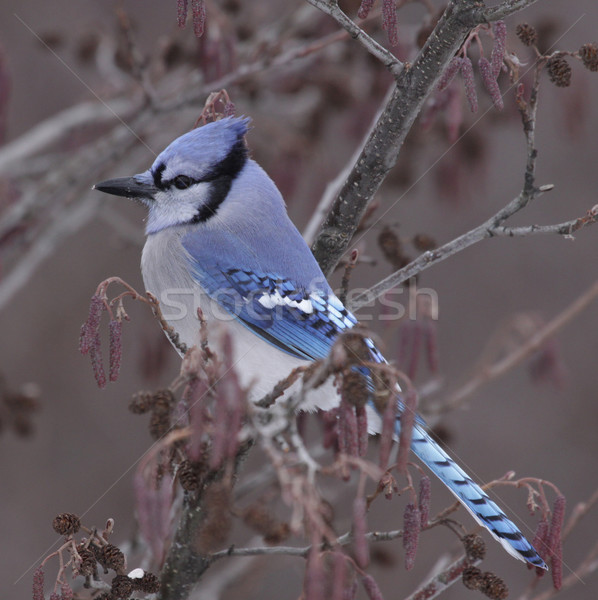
pixel 496 13
pixel 494 226
pixel 303 551
pixel 391 62
pixel 484 231
pixel 516 357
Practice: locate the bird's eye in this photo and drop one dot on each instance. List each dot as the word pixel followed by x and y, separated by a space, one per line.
pixel 182 182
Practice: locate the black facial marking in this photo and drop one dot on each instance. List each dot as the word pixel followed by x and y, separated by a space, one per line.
pixel 221 177
pixel 157 174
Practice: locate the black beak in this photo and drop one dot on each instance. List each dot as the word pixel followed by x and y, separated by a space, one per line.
pixel 128 187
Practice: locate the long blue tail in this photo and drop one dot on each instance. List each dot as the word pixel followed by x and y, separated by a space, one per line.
pixel 474 499
pixel 470 494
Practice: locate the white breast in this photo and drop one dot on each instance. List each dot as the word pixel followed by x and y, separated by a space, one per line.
pixel 258 363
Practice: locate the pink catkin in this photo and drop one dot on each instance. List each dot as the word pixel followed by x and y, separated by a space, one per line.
pixel 449 73
pixel 389 21
pixel 407 422
pixel 555 543
pixel 341 429
pixel 371 588
pixel 330 438
pixel 469 83
pixel 66 592
pixel 314 577
pixel 38 584
pixel 195 395
pixel 556 523
pixel 220 434
pixel 233 395
pixel 362 430
pixel 490 83
pixel 498 50
pixel 236 415
pixel 116 349
pixel 360 544
pixel 556 564
pixel 364 8
pixel 223 404
pixel 540 543
pixel 425 494
pixel 181 12
pixel 229 109
pixel 339 576
pixel 154 507
pixel 91 327
pixel 198 8
pixel 97 363
pixel 350 592
pixel 348 429
pixel 411 529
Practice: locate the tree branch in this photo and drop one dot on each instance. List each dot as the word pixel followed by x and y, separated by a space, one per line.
pixel 414 84
pixel 381 151
pixel 303 551
pixel 496 13
pixel 493 227
pixel 481 232
pixel 185 564
pixel 442 581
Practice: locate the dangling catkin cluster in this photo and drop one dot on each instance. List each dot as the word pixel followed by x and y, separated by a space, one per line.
pixel 527 34
pixel 559 71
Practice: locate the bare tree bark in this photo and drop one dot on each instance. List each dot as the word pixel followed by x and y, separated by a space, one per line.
pixel 413 85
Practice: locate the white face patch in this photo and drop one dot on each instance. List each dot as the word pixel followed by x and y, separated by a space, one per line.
pixel 175 207
pixel 270 301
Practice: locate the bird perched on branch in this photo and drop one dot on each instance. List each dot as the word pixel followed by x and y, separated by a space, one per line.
pixel 219 237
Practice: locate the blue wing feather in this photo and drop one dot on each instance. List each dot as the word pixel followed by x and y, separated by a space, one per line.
pixel 301 322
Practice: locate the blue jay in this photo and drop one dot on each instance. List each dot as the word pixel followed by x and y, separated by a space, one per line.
pixel 218 236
